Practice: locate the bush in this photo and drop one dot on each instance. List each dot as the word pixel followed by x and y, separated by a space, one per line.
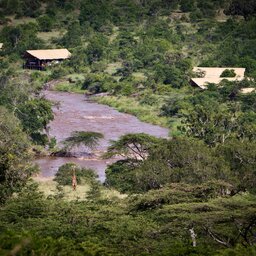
pixel 228 73
pixel 58 72
pixel 66 171
pixel 45 23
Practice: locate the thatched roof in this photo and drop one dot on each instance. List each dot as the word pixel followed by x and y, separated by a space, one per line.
pixel 212 75
pixel 53 54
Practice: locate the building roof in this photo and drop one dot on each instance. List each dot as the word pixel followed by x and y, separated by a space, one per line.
pixel 248 90
pixel 212 75
pixel 53 54
pixel 1 45
pixel 202 82
pixel 216 72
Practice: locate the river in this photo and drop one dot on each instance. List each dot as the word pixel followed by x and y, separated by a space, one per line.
pixel 75 112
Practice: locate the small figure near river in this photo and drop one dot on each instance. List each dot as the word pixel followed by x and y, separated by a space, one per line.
pixel 74 181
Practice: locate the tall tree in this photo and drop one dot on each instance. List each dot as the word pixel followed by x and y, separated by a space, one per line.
pixel 15 166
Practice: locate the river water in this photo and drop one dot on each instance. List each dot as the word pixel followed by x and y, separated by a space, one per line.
pixel 75 112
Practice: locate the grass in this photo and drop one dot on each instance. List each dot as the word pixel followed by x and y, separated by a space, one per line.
pixel 49 188
pixel 68 87
pixel 112 67
pixel 71 83
pixel 48 36
pixel 76 77
pixel 145 113
pixel 19 21
pixel 139 76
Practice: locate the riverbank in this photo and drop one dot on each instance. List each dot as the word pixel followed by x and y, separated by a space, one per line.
pixel 145 113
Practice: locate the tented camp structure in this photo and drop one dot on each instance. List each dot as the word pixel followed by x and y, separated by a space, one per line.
pixel 39 59
pixel 207 75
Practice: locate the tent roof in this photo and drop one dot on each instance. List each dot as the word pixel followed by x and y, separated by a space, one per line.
pixel 212 75
pixel 248 90
pixel 53 54
pixel 202 82
pixel 213 72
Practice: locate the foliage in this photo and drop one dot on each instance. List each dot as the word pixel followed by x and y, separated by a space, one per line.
pixel 130 105
pixel 228 73
pixel 121 228
pixel 211 122
pixel 135 146
pixel 20 38
pixel 15 166
pixel 73 35
pixel 215 115
pixel 22 7
pixel 45 23
pixel 95 83
pixel 35 115
pixel 242 7
pixel 87 139
pixel 177 160
pixel 66 171
pixel 240 156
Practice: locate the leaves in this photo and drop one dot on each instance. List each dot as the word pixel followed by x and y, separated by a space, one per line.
pixel 81 138
pixel 15 156
pixel 134 146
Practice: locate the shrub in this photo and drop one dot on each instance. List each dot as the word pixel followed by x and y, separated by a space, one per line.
pixel 58 72
pixel 228 73
pixel 65 172
pixel 45 23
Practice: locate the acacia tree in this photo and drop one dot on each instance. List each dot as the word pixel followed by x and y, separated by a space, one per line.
pixel 80 138
pixel 134 146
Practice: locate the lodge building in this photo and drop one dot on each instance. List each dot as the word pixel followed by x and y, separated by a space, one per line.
pixel 208 75
pixel 40 59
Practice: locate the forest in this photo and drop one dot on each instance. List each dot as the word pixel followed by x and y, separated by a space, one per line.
pixel 193 193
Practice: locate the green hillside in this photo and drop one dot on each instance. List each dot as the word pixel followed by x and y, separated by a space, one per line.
pixel 193 194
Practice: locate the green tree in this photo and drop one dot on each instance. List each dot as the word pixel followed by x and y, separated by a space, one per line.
pixel 211 122
pixel 180 160
pixel 73 36
pixel 81 138
pixel 94 14
pixel 66 171
pixel 135 146
pixel 96 49
pixel 228 73
pixel 15 166
pixel 45 23
pixel 21 38
pixel 35 115
pixel 242 7
pixel 241 157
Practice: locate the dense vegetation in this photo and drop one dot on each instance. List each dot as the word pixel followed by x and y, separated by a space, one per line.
pixel 193 194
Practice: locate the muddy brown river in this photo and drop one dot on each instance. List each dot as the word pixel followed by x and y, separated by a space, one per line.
pixel 75 112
